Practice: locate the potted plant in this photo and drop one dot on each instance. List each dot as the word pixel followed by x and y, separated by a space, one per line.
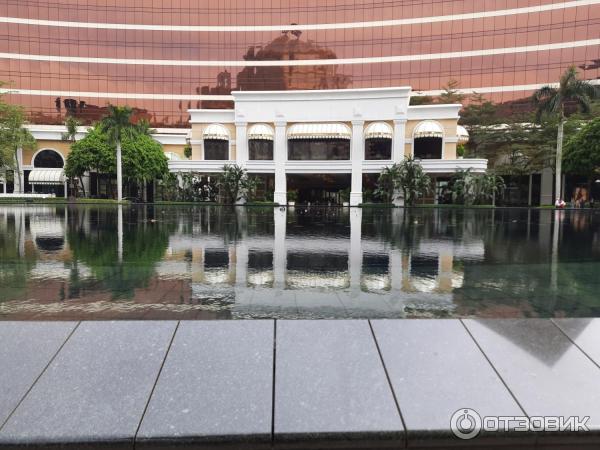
pixel 187 151
pixel 292 196
pixel 460 151
pixel 345 196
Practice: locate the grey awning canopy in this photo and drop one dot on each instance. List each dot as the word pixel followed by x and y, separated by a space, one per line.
pixel 47 176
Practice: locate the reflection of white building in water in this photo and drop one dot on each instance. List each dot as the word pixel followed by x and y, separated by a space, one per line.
pixel 294 274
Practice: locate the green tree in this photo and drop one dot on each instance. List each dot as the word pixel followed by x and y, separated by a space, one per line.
pixel 386 183
pixel 469 188
pixel 582 151
pixel 13 137
pixel 143 159
pixel 72 125
pixel 479 111
pixel 570 93
pixel 92 153
pixel 117 124
pixel 407 177
pixel 234 183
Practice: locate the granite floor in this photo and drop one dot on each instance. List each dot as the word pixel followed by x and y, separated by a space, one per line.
pixel 298 384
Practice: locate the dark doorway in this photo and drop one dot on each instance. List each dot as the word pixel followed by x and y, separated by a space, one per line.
pixel 320 189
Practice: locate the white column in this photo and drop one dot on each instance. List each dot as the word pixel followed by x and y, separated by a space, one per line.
pixel 279 251
pixel 357 155
pixel 398 141
pixel 279 158
pixel 241 143
pixel 355 257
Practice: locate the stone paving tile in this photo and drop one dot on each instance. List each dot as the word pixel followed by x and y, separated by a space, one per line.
pixel 26 348
pixel 585 333
pixel 94 392
pixel 331 389
pixel 548 375
pixel 215 387
pixel 436 369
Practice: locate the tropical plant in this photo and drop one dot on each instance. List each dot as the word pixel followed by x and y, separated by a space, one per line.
pixel 142 157
pixel 407 177
pixel 116 125
pixel 582 151
pixel 143 127
pixel 234 183
pixel 469 188
pixel 386 183
pixel 72 124
pixel 571 93
pixel 412 180
pixel 250 186
pixel 13 138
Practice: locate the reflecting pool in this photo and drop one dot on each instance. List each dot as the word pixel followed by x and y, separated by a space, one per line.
pixel 207 262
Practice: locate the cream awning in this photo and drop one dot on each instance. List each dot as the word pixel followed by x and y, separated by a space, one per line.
pixel 379 130
pixel 171 156
pixel 260 131
pixel 216 131
pixel 47 176
pixel 319 131
pixel 462 134
pixel 428 128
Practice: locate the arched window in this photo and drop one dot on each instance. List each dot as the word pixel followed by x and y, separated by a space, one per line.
pixel 48 159
pixel 378 141
pixel 319 141
pixel 216 143
pixel 260 142
pixel 428 140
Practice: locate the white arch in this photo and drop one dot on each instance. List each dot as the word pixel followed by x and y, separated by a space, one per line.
pixel 217 129
pixel 438 128
pixel 47 148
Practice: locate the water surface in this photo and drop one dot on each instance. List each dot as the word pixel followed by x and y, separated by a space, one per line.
pixel 206 262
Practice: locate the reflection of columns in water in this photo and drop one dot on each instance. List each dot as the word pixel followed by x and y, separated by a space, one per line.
pixel 120 233
pixel 355 258
pixel 554 259
pixel 396 269
pixel 445 264
pixel 241 216
pixel 232 265
pixel 241 264
pixel 279 252
pixel 21 231
pixel 197 265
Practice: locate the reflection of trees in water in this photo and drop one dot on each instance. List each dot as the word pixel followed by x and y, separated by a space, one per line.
pixel 15 268
pixel 516 273
pixel 144 244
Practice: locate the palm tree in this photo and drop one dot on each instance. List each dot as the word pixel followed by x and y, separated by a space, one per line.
pixel 552 100
pixel 116 124
pixel 72 124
